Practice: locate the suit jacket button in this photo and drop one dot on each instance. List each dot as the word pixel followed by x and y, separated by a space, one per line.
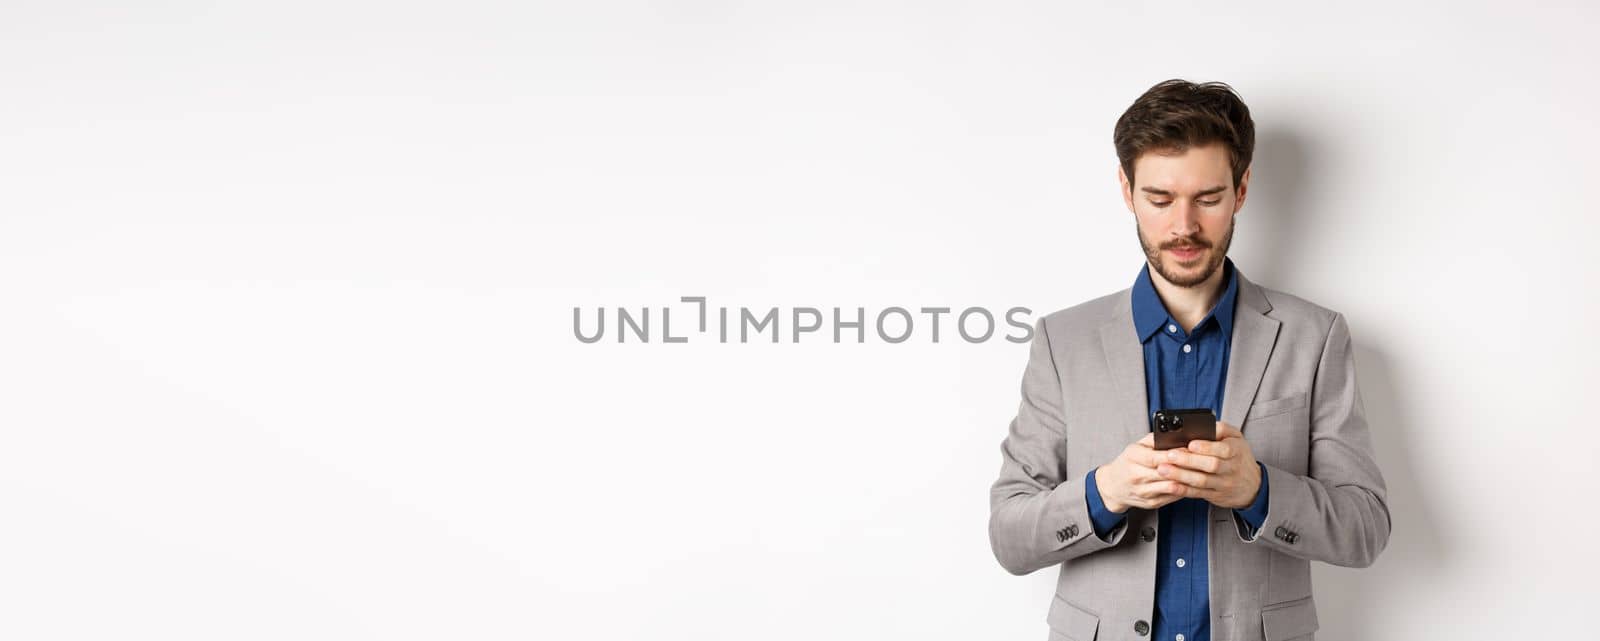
pixel 1281 532
pixel 1147 534
pixel 1141 627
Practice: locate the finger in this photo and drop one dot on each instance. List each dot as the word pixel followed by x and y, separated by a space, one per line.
pixel 1146 490
pixel 1191 478
pixel 1219 449
pixel 1190 460
pixel 1165 490
pixel 1142 456
pixel 1140 475
pixel 1149 440
pixel 1158 488
pixel 1142 445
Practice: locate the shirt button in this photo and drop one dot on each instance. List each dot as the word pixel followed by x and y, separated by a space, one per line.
pixel 1180 638
pixel 1172 328
pixel 1186 349
pixel 1181 563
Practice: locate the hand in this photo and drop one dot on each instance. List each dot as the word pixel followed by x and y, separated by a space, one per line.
pixel 1130 480
pixel 1223 472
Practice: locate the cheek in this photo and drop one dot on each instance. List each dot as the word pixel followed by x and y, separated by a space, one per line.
pixel 1149 232
pixel 1149 221
pixel 1218 228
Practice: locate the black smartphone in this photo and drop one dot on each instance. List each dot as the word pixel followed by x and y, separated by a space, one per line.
pixel 1175 428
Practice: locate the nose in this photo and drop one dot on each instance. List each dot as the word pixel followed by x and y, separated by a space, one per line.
pixel 1185 219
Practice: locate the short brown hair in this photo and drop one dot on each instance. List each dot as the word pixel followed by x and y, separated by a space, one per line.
pixel 1177 114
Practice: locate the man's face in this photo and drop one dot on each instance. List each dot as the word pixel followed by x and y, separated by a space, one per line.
pixel 1184 204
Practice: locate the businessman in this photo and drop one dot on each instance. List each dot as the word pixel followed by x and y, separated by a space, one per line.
pixel 1212 541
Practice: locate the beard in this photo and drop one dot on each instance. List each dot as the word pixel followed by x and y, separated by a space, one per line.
pixel 1158 258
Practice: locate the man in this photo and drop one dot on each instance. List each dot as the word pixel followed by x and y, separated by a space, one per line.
pixel 1212 541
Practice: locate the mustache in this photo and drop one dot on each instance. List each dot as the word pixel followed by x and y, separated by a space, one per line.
pixel 1186 243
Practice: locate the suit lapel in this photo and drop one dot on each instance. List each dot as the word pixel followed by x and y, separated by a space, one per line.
pixel 1125 361
pixel 1254 335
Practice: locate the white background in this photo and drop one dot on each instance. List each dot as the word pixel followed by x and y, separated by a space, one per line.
pixel 285 333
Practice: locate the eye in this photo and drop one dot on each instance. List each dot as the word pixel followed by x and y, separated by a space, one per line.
pixel 1161 203
pixel 1208 203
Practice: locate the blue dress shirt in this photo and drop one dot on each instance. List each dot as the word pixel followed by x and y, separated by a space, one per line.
pixel 1182 370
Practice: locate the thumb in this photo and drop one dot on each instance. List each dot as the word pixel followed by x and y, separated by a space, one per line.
pixel 1225 430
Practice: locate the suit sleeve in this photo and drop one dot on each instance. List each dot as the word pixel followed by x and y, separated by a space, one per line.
pixel 1038 514
pixel 1339 513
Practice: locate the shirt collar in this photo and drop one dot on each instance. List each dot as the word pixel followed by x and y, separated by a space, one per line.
pixel 1150 315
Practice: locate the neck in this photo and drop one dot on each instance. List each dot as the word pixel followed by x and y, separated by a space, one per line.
pixel 1188 305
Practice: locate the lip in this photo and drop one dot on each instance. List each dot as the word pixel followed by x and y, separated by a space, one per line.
pixel 1187 253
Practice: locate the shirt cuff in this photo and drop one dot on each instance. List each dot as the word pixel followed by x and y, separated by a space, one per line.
pixel 1101 517
pixel 1256 514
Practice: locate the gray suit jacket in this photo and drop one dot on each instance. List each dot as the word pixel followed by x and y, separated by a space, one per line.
pixel 1290 388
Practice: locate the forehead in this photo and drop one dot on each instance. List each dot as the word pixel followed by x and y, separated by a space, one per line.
pixel 1190 170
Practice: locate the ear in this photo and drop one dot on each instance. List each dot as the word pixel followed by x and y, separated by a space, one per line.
pixel 1244 187
pixel 1127 188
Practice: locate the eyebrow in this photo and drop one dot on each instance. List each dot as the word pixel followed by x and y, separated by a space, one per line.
pixel 1204 192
